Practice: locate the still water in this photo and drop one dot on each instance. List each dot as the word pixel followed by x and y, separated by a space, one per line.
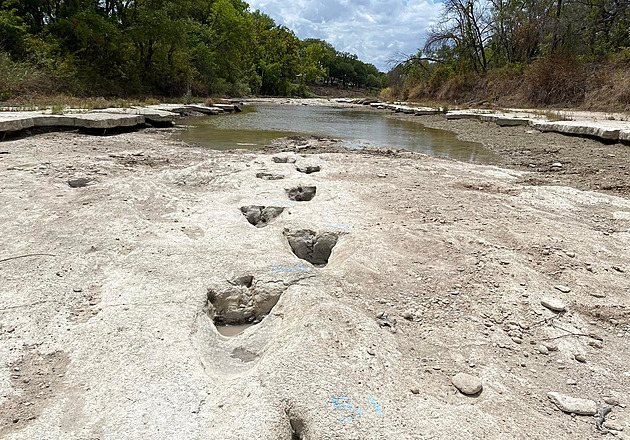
pixel 259 124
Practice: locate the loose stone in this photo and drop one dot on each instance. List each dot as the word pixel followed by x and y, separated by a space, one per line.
pixel 554 304
pixel 563 289
pixel 467 384
pixel 573 405
pixel 550 346
pixel 611 401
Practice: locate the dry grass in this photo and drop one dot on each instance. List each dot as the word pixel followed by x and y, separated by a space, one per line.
pixel 558 82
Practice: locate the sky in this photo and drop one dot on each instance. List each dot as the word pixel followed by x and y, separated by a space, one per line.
pixel 375 30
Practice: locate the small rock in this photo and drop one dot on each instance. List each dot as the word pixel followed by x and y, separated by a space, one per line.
pixel 408 315
pixel 556 165
pixel 371 352
pixel 619 269
pixel 571 382
pixel 563 289
pixel 382 176
pixel 570 254
pixel 287 158
pixel 265 175
pixel 542 349
pixel 79 183
pixel 415 390
pixel 611 401
pixel 550 346
pixel 308 169
pixel 613 425
pixel 517 340
pixel 554 304
pixel 573 405
pixel 467 384
pixel 580 358
pixel 596 344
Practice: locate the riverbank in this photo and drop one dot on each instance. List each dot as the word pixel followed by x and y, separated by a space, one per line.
pixel 586 163
pixel 120 253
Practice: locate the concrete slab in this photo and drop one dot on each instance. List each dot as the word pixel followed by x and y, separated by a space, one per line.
pixel 453 116
pixel 151 115
pixel 184 109
pixel 10 122
pixel 595 129
pixel 106 120
pixel 226 107
pixel 15 121
pixel 504 120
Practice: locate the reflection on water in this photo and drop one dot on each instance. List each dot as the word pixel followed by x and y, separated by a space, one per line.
pixel 259 124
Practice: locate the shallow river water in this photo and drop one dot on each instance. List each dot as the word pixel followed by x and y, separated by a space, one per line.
pixel 259 124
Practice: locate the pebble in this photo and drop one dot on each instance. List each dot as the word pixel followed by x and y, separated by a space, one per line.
pixel 408 315
pixel 613 425
pixel 556 165
pixel 542 349
pixel 415 390
pixel 573 405
pixel 554 304
pixel 517 340
pixel 611 401
pixel 562 288
pixel 570 254
pixel 467 384
pixel 580 358
pixel 596 344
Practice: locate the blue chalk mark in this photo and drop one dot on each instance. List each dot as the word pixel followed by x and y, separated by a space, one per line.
pixel 337 403
pixel 376 406
pixel 343 403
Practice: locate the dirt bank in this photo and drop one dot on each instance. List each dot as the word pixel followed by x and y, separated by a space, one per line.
pixel 118 252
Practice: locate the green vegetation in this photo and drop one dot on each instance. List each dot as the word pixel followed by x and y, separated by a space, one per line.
pixel 166 48
pixel 536 52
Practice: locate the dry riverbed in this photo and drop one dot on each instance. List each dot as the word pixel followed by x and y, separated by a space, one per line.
pixel 587 164
pixel 376 278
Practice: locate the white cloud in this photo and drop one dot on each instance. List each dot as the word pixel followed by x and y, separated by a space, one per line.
pixel 375 30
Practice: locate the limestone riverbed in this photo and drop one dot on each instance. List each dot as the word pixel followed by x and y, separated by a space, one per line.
pixel 365 288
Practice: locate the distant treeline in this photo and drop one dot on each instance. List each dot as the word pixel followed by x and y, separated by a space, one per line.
pixel 543 52
pixel 161 47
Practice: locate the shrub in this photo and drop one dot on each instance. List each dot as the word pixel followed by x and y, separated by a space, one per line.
pixel 557 79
